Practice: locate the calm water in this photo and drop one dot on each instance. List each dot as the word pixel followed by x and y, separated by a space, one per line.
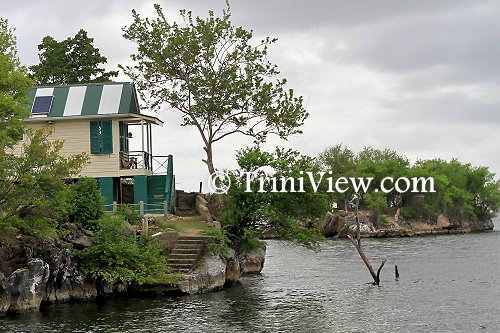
pixel 447 284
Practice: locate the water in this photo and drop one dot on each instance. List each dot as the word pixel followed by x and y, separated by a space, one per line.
pixel 448 283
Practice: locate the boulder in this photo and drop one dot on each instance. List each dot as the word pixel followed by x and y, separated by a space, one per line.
pixel 210 276
pixel 66 281
pixel 443 222
pixel 27 285
pixel 253 262
pixel 233 267
pixel 4 295
pixel 79 238
pixel 332 225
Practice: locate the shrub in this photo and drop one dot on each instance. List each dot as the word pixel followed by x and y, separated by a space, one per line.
pixel 87 204
pixel 220 241
pixel 382 219
pixel 129 214
pixel 117 254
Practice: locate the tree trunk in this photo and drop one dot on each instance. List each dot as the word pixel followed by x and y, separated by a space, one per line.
pixel 209 161
pixel 357 244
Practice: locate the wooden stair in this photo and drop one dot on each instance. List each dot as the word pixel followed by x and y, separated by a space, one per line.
pixel 186 252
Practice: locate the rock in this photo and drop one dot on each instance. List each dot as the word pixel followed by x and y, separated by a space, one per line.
pixel 253 262
pixel 443 222
pixel 4 295
pixel 201 206
pixel 27 285
pixel 78 237
pixel 233 267
pixel 210 276
pixel 66 282
pixel 332 225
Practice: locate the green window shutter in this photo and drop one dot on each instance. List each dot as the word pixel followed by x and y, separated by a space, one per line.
pixel 95 137
pixel 107 136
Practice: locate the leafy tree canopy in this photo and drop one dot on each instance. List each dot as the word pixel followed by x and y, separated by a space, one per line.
pixel 14 84
pixel 246 213
pixel 462 192
pixel 73 60
pixel 215 75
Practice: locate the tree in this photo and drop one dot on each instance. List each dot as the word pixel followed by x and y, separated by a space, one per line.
pixel 14 84
pixel 210 71
pixel 73 60
pixel 32 181
pixel 32 174
pixel 246 212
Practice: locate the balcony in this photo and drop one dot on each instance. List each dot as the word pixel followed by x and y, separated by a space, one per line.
pixel 142 160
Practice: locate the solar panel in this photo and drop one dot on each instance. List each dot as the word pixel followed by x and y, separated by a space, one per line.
pixel 42 105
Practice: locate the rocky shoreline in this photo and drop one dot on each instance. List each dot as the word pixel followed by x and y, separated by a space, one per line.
pixel 343 223
pixel 40 272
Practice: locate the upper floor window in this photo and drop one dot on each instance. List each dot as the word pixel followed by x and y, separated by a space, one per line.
pixel 101 137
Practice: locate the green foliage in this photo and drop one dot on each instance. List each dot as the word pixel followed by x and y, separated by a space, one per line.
pixel 247 212
pixel 129 214
pixel 86 203
pixel 14 84
pixel 73 60
pixel 32 189
pixel 462 190
pixel 376 202
pixel 382 219
pixel 215 75
pixel 32 183
pixel 250 241
pixel 38 226
pixel 220 241
pixel 118 255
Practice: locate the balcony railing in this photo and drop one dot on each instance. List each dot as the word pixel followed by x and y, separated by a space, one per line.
pixel 144 160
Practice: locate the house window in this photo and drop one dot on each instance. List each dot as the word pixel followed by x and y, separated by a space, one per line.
pixel 101 137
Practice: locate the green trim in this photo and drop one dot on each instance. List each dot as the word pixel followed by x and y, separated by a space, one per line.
pixel 141 189
pixel 107 136
pixel 106 188
pixel 101 137
pixel 60 96
pixel 92 100
pixel 31 95
pixel 126 98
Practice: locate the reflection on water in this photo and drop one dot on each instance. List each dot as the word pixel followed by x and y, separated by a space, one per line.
pixel 447 284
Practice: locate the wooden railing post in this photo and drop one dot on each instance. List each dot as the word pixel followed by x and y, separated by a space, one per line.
pixel 141 208
pixel 165 208
pixel 145 225
pixel 114 206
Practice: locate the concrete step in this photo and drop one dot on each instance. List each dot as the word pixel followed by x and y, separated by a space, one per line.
pixel 188 246
pixel 183 256
pixel 172 262
pixel 181 266
pixel 198 237
pixel 184 251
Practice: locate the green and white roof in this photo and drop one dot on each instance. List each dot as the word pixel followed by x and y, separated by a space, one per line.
pixel 79 100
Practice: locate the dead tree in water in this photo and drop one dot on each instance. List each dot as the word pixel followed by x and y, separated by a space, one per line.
pixel 357 244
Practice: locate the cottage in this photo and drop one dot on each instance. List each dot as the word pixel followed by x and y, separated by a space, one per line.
pixel 96 118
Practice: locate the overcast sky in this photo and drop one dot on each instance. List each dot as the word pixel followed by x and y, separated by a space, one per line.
pixel 419 77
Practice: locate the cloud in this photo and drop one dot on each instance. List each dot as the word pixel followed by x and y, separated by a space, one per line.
pixel 420 77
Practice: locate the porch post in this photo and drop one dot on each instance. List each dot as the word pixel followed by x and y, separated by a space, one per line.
pixel 142 142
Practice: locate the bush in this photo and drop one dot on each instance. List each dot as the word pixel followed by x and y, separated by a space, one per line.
pixel 129 214
pixel 382 219
pixel 220 241
pixel 117 254
pixel 87 204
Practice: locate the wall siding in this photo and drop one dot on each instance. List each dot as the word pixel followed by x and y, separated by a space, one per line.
pixel 76 137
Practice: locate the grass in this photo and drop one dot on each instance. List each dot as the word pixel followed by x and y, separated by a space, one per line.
pixel 190 225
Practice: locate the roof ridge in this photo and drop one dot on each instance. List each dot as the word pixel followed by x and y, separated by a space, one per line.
pixel 82 84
